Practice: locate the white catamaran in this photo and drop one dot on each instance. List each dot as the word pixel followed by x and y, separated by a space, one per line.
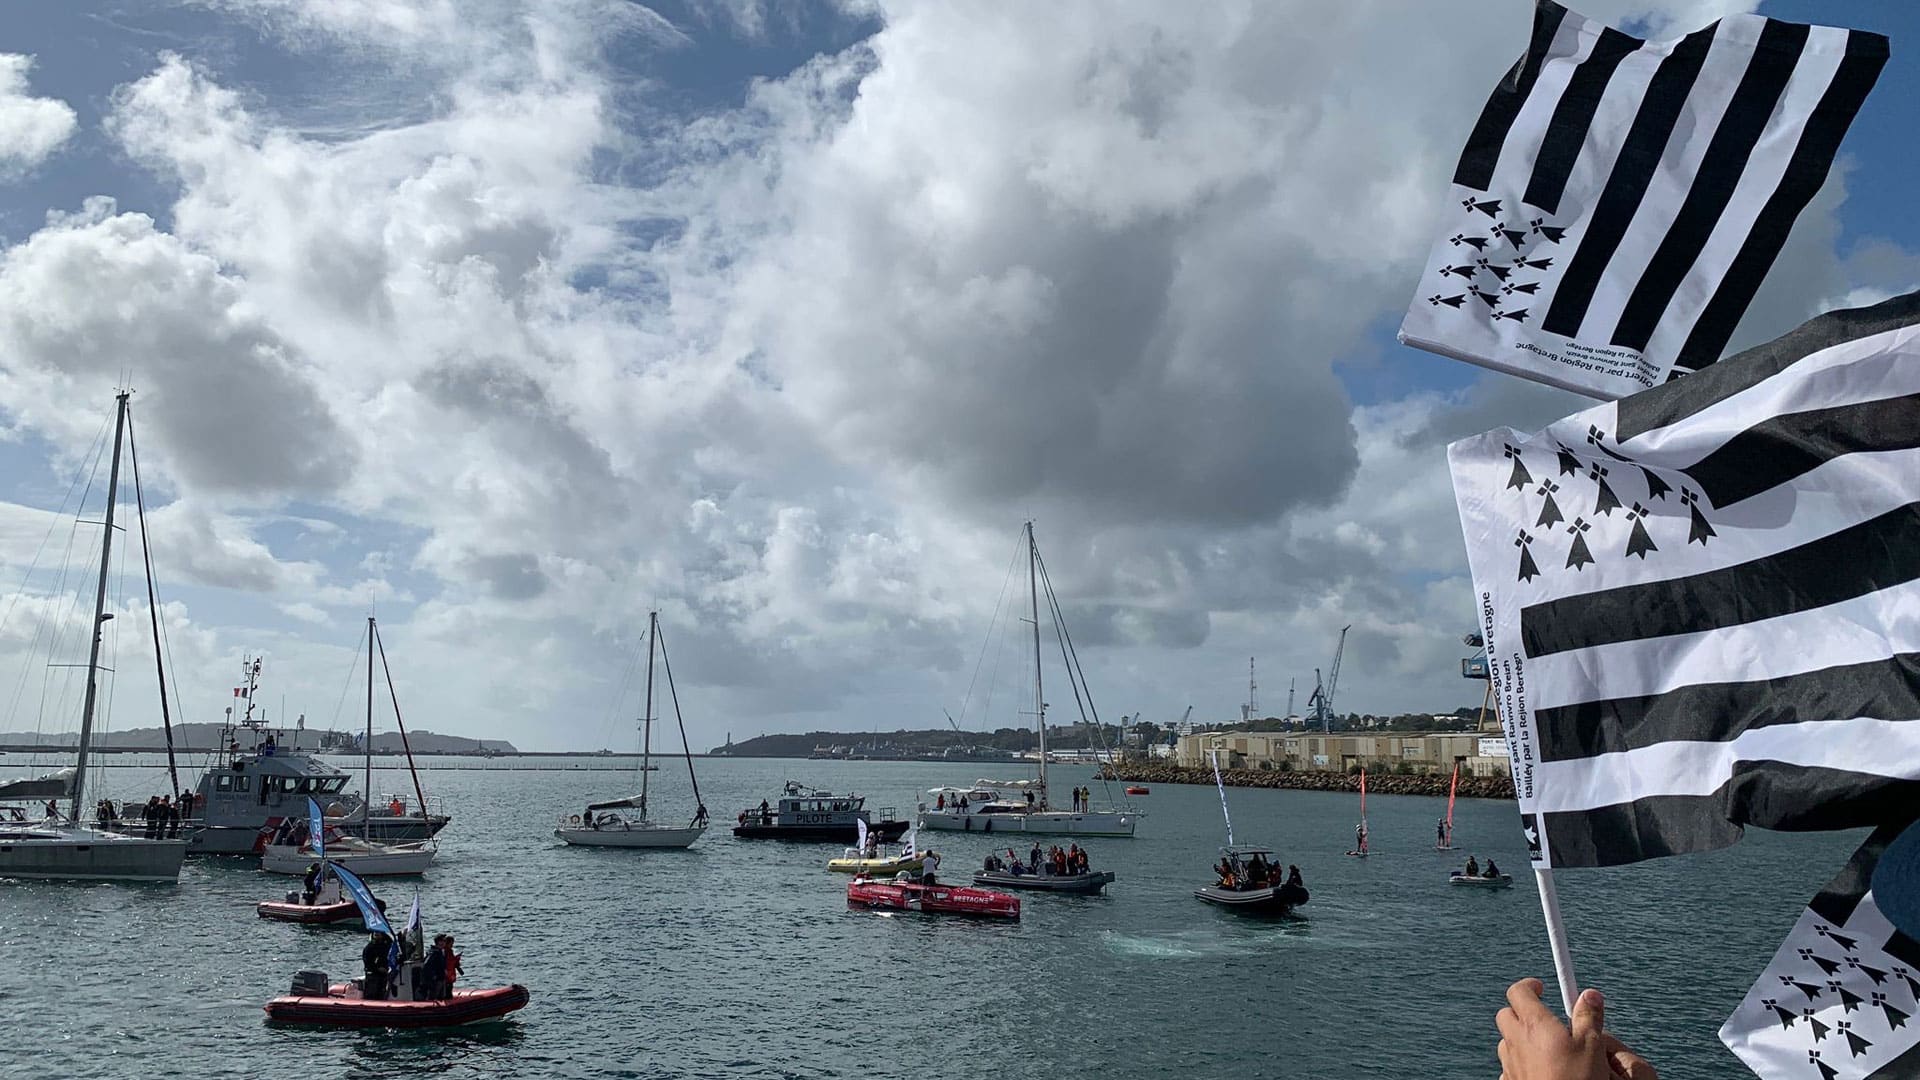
pixel 601 825
pixel 65 848
pixel 1022 806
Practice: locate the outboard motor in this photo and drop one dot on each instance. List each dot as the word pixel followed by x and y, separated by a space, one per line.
pixel 309 984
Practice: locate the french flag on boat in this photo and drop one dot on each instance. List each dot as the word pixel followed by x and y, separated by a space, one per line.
pixel 1619 201
pixel 1701 603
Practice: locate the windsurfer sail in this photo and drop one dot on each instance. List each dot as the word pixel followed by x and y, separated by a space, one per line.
pixel 1360 834
pixel 1443 841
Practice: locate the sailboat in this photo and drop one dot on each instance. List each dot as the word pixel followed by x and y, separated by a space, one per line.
pixel 601 825
pixel 62 848
pixel 1443 841
pixel 1248 879
pixel 283 853
pixel 1023 806
pixel 1360 834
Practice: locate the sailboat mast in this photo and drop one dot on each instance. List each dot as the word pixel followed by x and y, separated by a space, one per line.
pixel 366 811
pixel 1039 695
pixel 100 615
pixel 646 722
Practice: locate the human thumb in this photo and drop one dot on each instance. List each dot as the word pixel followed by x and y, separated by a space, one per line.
pixel 1589 1015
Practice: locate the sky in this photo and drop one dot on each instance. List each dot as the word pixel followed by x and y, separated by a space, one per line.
pixel 511 322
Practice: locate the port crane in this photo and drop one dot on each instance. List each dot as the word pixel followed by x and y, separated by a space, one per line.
pixel 1321 701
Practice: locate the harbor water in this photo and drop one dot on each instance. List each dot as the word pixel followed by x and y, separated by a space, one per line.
pixel 741 958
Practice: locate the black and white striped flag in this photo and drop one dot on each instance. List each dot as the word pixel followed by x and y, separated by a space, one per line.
pixel 1839 999
pixel 1702 603
pixel 1619 200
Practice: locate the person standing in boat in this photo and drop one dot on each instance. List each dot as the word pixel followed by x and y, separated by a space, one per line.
pixel 452 963
pixel 433 972
pixel 310 884
pixel 373 958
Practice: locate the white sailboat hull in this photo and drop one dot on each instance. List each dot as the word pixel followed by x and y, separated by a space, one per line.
pixel 65 853
pixel 1039 822
pixel 369 861
pixel 631 835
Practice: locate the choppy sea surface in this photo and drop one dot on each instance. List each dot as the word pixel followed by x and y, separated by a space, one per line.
pixel 741 958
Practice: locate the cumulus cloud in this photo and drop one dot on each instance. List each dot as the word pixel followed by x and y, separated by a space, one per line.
pixel 31 128
pixel 794 371
pixel 98 296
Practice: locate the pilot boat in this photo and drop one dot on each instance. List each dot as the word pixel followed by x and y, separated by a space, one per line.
pixel 809 814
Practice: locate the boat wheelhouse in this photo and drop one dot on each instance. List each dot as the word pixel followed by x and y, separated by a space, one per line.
pixel 809 814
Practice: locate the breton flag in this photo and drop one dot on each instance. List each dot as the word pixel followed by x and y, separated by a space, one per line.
pixel 1619 200
pixel 1839 999
pixel 1702 603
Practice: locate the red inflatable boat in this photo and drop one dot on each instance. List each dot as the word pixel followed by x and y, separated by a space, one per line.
pixel 897 895
pixel 1137 791
pixel 344 1007
pixel 344 911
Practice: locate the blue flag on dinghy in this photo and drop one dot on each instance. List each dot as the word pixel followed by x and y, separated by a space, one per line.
pixel 1619 201
pixel 316 825
pixel 370 913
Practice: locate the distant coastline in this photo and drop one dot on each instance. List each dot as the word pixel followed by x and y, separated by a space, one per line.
pixel 1471 787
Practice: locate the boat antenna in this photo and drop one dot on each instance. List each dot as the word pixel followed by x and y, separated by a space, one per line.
pixel 100 615
pixel 686 749
pixel 153 606
pixel 405 745
pixel 1214 756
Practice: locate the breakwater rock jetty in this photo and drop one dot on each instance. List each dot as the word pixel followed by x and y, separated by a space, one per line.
pixel 1382 783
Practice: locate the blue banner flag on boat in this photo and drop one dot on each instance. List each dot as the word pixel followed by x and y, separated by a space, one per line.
pixel 413 916
pixel 1619 201
pixel 316 825
pixel 370 913
pixel 1701 603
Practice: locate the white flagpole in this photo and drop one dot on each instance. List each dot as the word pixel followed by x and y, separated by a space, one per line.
pixel 1557 937
pixel 1215 755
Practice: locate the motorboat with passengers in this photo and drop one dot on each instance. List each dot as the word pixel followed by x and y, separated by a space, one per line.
pixel 1248 881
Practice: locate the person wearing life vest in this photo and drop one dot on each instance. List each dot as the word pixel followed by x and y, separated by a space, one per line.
pixel 396 807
